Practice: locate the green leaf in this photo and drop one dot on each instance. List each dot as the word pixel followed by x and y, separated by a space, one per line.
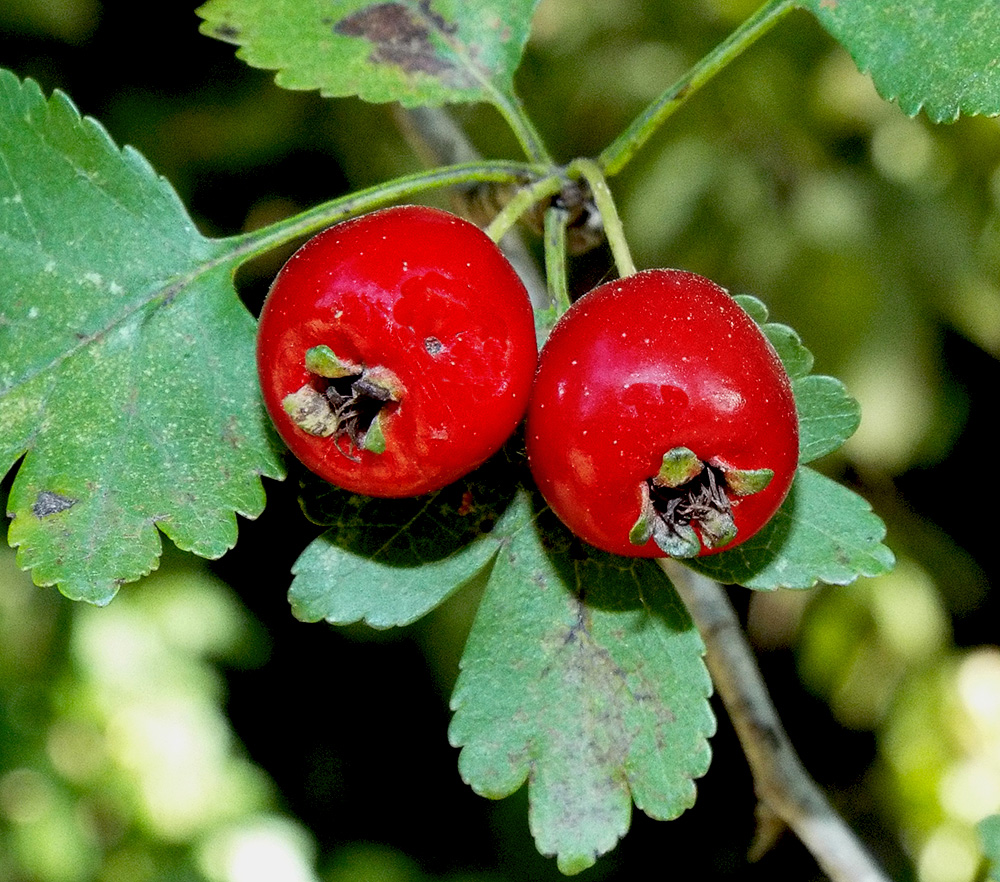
pixel 753 307
pixel 942 56
pixel 989 833
pixel 127 375
pixel 390 561
pixel 583 674
pixel 822 533
pixel 828 416
pixel 797 360
pixel 416 52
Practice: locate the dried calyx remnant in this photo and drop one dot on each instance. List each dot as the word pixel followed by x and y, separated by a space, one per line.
pixel 687 503
pixel 347 405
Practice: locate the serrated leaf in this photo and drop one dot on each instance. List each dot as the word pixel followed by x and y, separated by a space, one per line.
pixel 828 416
pixel 127 375
pixel 753 307
pixel 390 561
pixel 942 56
pixel 413 51
pixel 798 360
pixel 822 533
pixel 583 675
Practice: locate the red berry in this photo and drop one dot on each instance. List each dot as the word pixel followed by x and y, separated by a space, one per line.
pixel 662 421
pixel 396 351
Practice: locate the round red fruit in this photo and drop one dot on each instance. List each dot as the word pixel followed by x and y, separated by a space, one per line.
pixel 662 422
pixel 396 351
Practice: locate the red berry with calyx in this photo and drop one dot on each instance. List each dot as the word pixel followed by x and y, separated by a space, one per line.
pixel 396 351
pixel 662 422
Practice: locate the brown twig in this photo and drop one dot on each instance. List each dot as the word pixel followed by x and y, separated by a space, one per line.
pixel 784 788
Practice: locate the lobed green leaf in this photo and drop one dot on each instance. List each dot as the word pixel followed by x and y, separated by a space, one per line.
pixel 412 51
pixel 828 416
pixel 798 360
pixel 942 56
pixel 822 533
pixel 390 561
pixel 583 675
pixel 127 379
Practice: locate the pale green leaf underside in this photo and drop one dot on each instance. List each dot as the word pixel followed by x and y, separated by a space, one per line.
pixel 388 562
pixel 942 56
pixel 584 677
pixel 822 533
pixel 343 586
pixel 412 51
pixel 126 359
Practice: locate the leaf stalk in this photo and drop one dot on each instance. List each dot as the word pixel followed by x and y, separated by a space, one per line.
pixel 246 246
pixel 522 202
pixel 513 111
pixel 619 152
pixel 593 174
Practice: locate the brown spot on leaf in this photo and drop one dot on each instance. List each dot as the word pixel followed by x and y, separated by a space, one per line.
pixel 401 37
pixel 50 503
pixel 225 31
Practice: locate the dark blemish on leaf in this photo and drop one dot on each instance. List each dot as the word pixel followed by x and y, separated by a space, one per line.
pixel 231 433
pixel 226 31
pixel 49 503
pixel 170 292
pixel 400 37
pixel 433 345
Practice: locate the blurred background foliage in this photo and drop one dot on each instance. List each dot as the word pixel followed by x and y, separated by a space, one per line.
pixel 194 730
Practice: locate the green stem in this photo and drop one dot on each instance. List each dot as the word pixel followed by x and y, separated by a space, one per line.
pixel 616 155
pixel 605 203
pixel 249 245
pixel 555 259
pixel 557 286
pixel 524 200
pixel 517 118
